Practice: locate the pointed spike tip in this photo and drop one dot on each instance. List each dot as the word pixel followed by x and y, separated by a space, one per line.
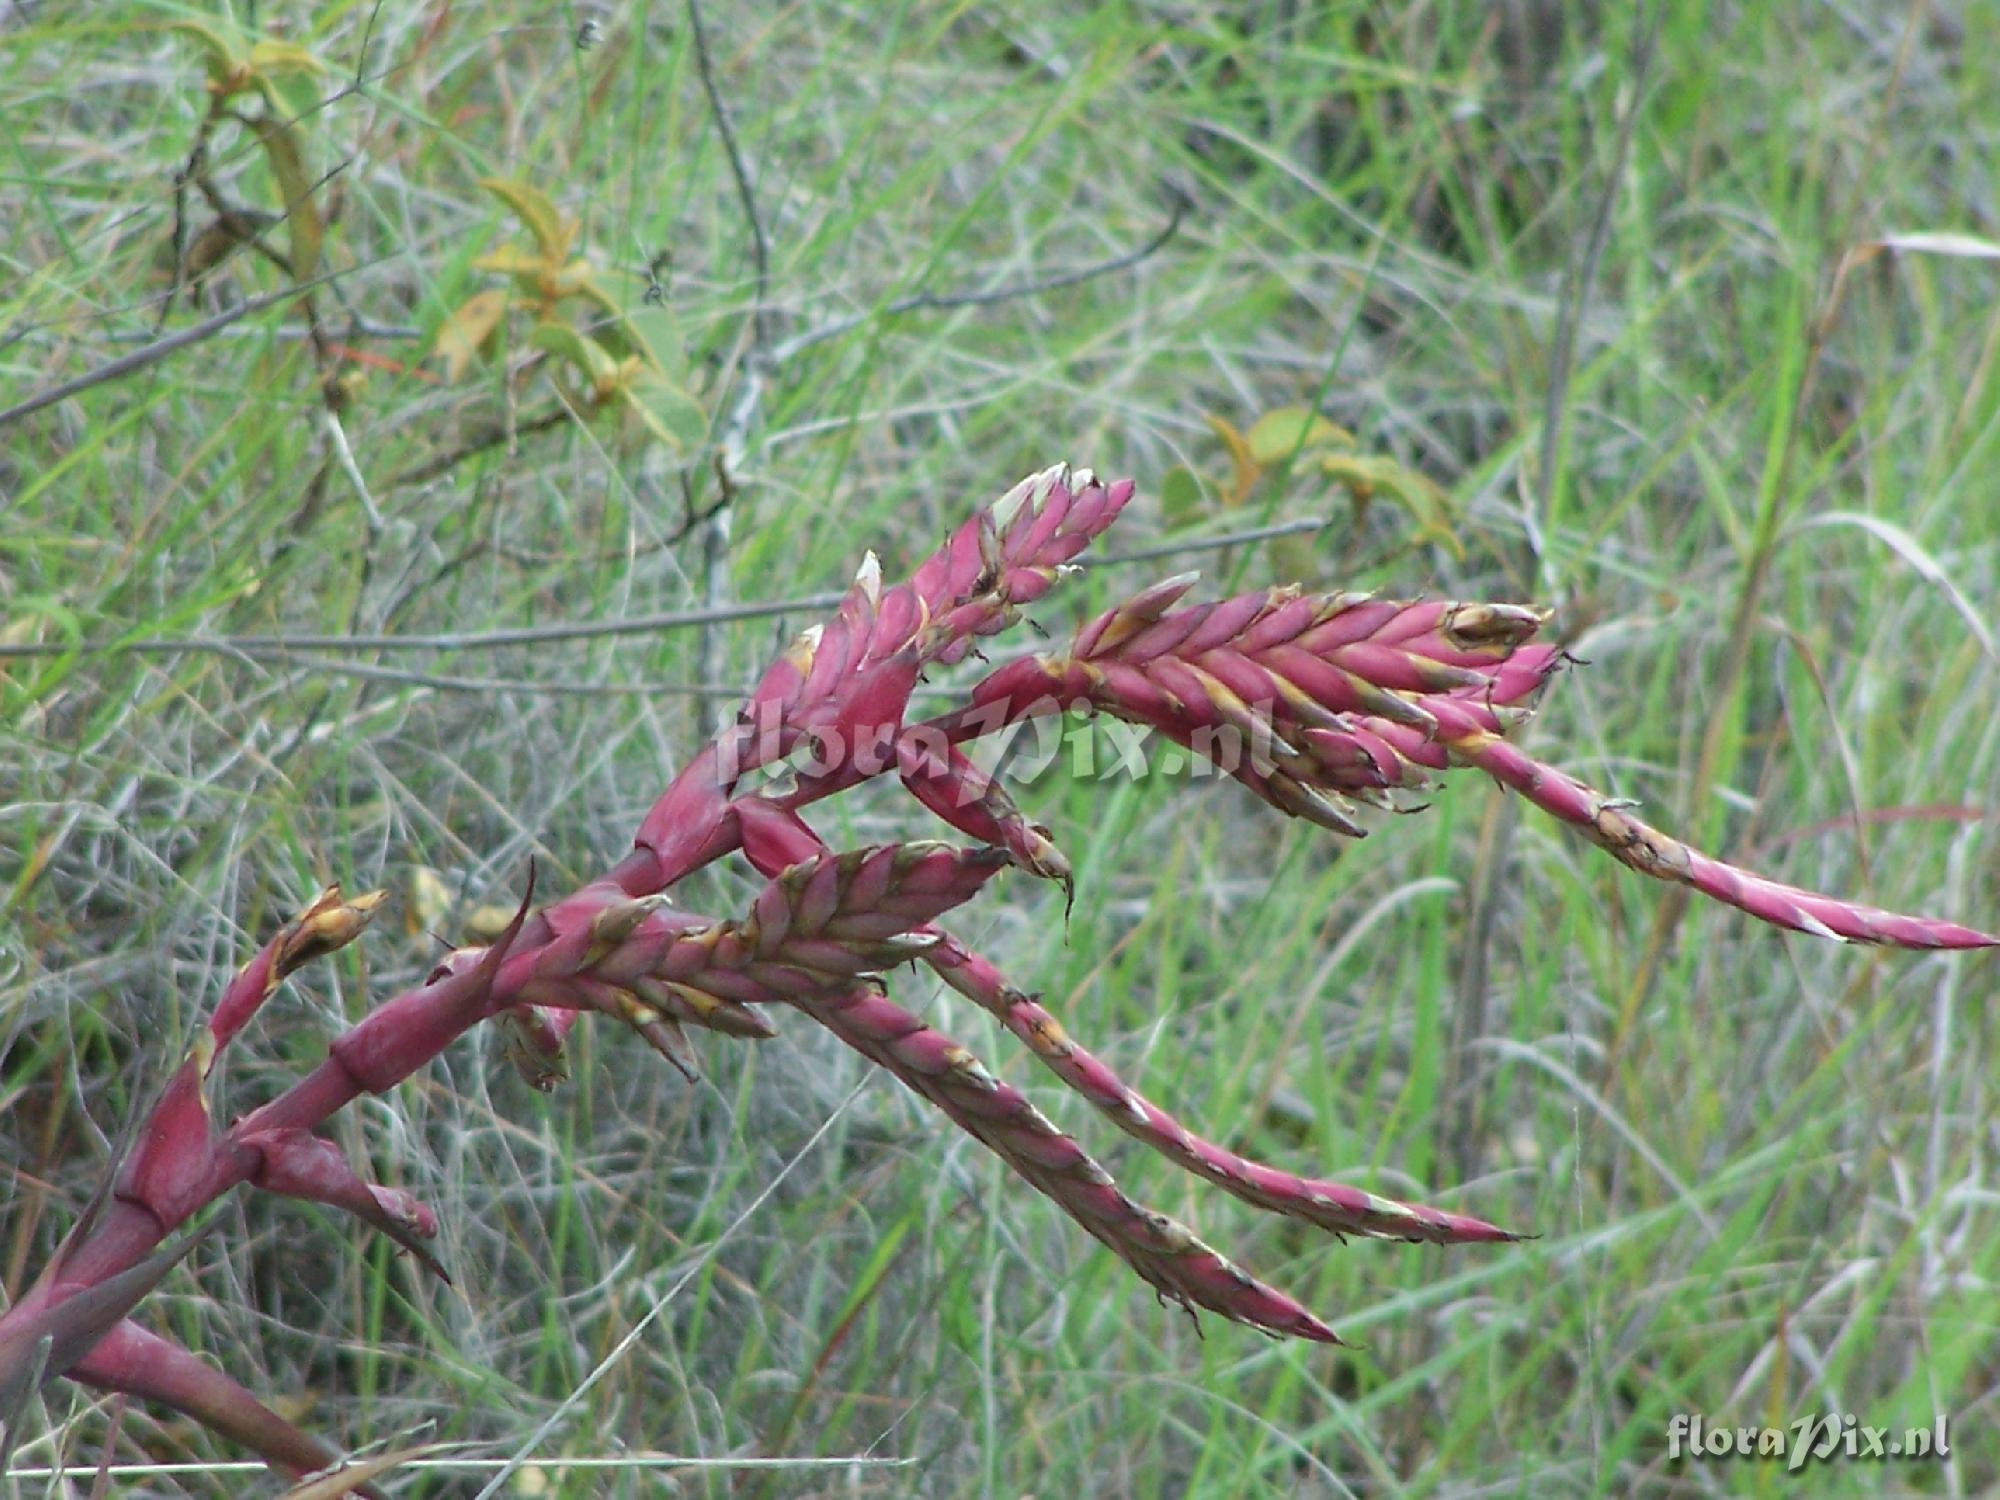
pixel 868 577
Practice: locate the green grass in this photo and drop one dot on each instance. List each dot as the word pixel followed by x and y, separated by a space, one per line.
pixel 1760 1167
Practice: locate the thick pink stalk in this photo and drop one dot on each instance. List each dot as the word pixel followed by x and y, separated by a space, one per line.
pixel 827 920
pixel 142 1364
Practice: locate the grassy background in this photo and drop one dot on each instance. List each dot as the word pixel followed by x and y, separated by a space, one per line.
pixel 1761 1168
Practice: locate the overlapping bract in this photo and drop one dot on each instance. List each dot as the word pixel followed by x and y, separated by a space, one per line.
pixel 1316 700
pixel 851 677
pixel 1313 701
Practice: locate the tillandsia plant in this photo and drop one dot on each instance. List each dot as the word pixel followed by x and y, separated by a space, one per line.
pixel 1315 702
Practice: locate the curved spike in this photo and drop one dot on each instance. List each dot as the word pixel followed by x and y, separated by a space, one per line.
pixel 1642 847
pixel 1366 694
pixel 998 1115
pixel 1330 1205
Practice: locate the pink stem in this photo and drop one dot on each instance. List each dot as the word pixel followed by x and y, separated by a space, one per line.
pixel 142 1364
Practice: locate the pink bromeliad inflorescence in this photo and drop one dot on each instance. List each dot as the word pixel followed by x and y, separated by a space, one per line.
pixel 1316 702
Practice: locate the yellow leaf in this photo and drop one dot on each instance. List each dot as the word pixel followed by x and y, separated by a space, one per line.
pixel 531 206
pixel 426 902
pixel 466 331
pixel 228 62
pixel 302 221
pixel 270 57
pixel 1278 434
pixel 1248 470
pixel 1427 504
pixel 484 924
pixel 512 260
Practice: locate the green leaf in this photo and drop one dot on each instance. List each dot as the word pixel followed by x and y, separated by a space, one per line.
pixel 1277 435
pixel 469 329
pixel 552 233
pixel 1293 558
pixel 591 358
pixel 669 411
pixel 655 335
pixel 288 96
pixel 579 279
pixel 1181 499
pixel 25 611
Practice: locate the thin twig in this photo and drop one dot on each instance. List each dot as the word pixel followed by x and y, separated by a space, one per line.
pixel 158 349
pixel 723 692
pixel 479 442
pixel 361 52
pixel 354 328
pixel 987 297
pixel 264 646
pixel 698 516
pixel 344 456
pixel 533 635
pixel 760 239
pixel 195 166
pixel 733 439
pixel 444 683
